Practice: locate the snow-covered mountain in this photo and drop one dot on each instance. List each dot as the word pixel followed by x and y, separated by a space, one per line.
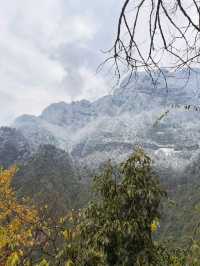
pixel 111 126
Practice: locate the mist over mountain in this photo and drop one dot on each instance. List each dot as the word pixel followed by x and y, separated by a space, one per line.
pixel 110 127
pixel 58 151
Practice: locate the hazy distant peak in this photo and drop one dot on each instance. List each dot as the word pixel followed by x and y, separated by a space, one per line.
pixel 25 118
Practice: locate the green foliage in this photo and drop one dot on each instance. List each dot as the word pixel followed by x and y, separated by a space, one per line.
pixel 118 224
pixel 117 228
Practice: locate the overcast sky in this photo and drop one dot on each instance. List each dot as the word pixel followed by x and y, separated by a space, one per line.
pixel 49 52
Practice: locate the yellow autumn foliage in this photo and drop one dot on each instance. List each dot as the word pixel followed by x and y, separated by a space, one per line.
pixel 69 263
pixel 16 220
pixel 24 230
pixel 154 226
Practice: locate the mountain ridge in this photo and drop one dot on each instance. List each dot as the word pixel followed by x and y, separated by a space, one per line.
pixel 94 131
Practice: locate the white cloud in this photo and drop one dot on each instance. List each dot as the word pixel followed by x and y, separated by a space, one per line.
pixel 49 51
pixel 94 85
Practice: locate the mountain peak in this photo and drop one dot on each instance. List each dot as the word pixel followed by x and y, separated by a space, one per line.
pixel 113 124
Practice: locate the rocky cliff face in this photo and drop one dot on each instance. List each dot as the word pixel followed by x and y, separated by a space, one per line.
pixel 111 126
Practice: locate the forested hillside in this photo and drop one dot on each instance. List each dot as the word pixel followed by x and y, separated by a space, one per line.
pixel 181 211
pixel 50 177
pixel 119 226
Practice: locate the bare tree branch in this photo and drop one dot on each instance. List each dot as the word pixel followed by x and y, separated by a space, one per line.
pixel 173 28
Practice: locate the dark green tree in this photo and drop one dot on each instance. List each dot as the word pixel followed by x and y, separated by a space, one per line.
pixel 118 224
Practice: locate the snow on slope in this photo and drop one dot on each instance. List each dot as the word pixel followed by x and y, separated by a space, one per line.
pixel 111 126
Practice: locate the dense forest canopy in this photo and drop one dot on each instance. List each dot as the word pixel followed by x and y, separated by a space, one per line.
pixel 118 227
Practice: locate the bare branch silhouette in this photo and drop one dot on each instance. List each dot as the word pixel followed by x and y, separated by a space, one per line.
pixel 172 30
